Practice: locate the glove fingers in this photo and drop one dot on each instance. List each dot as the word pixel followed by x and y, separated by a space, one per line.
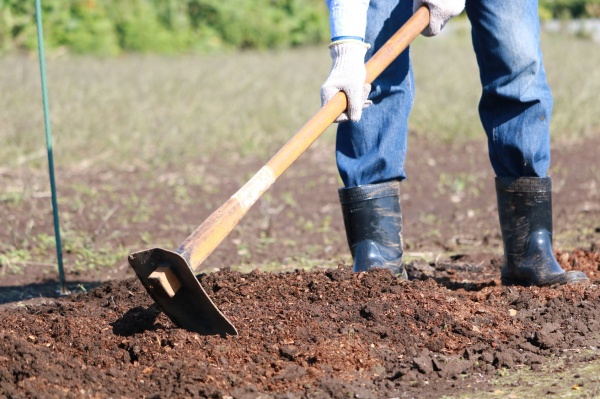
pixel 356 102
pixel 327 92
pixel 342 118
pixel 441 11
pixel 355 105
pixel 366 92
pixel 359 102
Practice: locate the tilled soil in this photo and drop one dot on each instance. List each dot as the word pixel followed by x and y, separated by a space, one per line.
pixel 320 334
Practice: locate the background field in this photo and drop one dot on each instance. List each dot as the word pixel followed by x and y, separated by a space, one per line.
pixel 169 115
pixel 147 146
pixel 249 103
pixel 111 27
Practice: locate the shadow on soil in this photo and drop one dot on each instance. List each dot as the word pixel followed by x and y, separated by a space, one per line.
pixel 136 320
pixel 479 273
pixel 45 290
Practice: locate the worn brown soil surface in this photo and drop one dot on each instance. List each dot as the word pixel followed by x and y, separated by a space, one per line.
pixel 302 334
pixel 319 333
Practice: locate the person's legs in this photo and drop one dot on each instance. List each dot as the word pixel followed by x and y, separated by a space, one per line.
pixel 516 102
pixel 373 150
pixel 370 154
pixel 515 111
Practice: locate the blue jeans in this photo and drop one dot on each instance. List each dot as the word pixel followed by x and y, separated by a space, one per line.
pixel 515 107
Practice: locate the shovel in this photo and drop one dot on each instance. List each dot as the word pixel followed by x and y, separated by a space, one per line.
pixel 169 275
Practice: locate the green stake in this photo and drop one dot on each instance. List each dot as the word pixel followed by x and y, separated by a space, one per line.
pixel 61 272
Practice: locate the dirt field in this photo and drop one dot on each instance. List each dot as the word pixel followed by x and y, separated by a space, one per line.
pixel 316 329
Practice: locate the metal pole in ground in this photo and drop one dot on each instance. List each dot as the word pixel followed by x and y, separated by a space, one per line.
pixel 40 31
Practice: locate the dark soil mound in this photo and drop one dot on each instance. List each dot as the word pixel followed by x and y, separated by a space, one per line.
pixel 318 334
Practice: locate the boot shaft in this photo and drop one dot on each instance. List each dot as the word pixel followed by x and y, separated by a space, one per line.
pixel 524 209
pixel 373 221
pixel 525 213
pixel 372 212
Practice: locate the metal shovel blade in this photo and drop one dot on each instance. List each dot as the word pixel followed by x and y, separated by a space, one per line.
pixel 189 307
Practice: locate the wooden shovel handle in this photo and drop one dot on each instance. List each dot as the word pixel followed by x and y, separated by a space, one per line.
pixel 202 242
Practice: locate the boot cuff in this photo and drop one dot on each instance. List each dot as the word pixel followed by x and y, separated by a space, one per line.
pixel 524 184
pixel 369 191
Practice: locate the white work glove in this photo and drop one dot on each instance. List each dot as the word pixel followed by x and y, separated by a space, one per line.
pixel 348 74
pixel 441 11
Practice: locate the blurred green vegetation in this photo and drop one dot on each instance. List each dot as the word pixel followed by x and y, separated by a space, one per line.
pixel 569 9
pixel 108 27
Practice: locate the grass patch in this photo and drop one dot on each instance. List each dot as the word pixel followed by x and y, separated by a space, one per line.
pixel 556 379
pixel 87 255
pixel 157 109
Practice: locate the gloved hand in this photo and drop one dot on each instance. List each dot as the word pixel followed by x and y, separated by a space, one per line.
pixel 348 74
pixel 441 11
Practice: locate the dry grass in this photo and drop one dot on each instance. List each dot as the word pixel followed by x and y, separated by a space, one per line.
pixel 160 109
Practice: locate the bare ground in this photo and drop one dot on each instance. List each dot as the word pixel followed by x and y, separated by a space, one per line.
pixel 313 330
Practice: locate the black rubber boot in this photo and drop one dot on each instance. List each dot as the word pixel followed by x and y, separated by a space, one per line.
pixel 525 211
pixel 374 226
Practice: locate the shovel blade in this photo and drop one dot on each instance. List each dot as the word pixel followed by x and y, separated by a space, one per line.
pixel 190 308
